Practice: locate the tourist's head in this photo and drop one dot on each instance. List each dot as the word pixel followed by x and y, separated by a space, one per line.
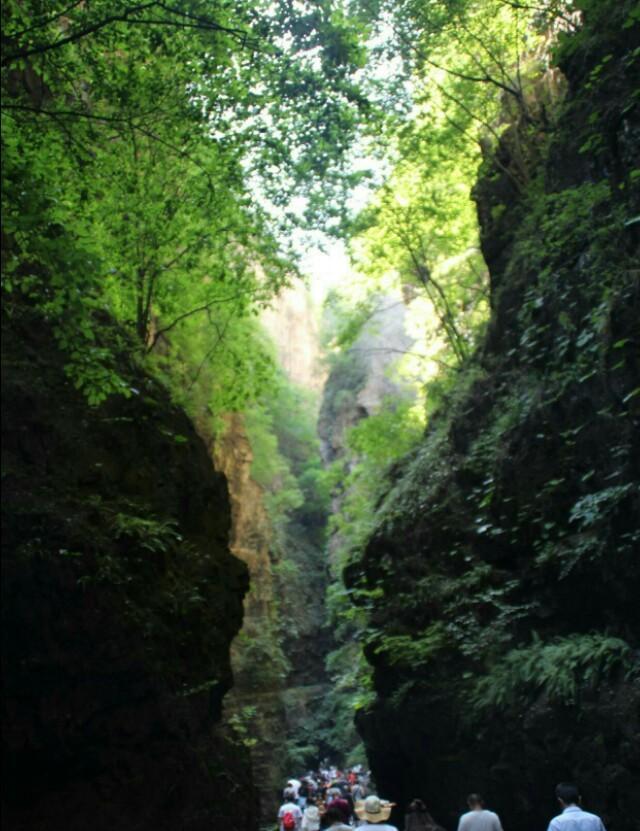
pixel 333 815
pixel 417 806
pixel 475 801
pixel 373 809
pixel 567 793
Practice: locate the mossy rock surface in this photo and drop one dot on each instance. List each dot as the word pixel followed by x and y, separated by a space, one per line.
pixel 511 534
pixel 120 601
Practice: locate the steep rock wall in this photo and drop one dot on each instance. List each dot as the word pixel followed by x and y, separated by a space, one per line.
pixel 292 323
pixel 278 656
pixel 120 601
pixel 358 384
pixel 361 379
pixel 257 657
pixel 517 518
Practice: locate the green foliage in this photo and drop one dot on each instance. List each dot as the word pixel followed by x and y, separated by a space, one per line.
pixel 560 669
pixel 150 534
pixel 351 690
pixel 286 464
pixel 593 508
pixel 474 68
pixel 375 443
pixel 386 436
pixel 347 376
pixel 218 364
pixel 513 509
pixel 358 477
pixel 241 723
pixel 286 453
pixel 135 139
pixel 157 157
pixel 269 468
pixel 259 659
pixel 415 650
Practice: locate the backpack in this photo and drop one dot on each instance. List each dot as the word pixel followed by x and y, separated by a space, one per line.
pixel 288 821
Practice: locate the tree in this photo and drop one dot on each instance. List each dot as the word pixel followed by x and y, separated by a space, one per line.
pixel 163 142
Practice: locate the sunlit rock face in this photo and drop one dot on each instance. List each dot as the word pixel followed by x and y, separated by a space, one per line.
pixel 360 382
pixel 256 653
pixel 251 532
pixel 517 517
pixel 292 322
pixel 278 675
pixel 120 601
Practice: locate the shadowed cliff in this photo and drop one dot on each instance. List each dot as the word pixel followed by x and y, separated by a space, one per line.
pixel 502 576
pixel 120 601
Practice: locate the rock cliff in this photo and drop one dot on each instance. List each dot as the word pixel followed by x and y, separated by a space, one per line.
pixel 255 704
pixel 120 601
pixel 292 323
pixel 362 377
pixel 278 656
pixel 503 572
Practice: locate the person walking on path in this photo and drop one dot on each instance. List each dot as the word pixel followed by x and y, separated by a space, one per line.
pixel 573 818
pixel 418 818
pixel 333 820
pixel 337 801
pixel 359 791
pixel 477 817
pixel 303 795
pixel 289 815
pixel 311 816
pixel 375 813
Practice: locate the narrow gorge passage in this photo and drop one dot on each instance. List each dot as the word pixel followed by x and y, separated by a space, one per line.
pixel 321 415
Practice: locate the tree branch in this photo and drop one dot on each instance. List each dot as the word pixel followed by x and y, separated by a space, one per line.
pixel 203 308
pixel 47 21
pixel 490 129
pixel 57 114
pixel 127 15
pixel 210 352
pixel 445 314
pixel 433 358
pixel 479 79
pixel 75 36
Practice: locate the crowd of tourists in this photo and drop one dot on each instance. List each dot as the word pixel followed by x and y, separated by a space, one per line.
pixel 341 801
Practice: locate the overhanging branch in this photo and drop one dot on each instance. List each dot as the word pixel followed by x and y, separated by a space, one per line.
pixel 129 15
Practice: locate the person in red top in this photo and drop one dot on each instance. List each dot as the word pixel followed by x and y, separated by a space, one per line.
pixel 337 801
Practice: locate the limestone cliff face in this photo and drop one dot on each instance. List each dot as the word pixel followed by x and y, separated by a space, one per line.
pixel 293 324
pixel 358 384
pixel 275 686
pixel 251 532
pixel 511 534
pixel 257 659
pixel 360 380
pixel 120 601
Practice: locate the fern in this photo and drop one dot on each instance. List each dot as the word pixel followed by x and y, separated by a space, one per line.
pixel 558 669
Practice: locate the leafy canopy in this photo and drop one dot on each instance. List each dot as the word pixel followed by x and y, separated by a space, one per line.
pixel 152 155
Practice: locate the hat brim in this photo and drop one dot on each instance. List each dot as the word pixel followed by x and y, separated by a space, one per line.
pixel 382 816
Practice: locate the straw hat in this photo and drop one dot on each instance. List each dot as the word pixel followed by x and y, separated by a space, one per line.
pixel 373 809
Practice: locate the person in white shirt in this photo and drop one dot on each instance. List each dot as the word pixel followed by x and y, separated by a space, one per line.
pixel 311 816
pixel 477 817
pixel 573 818
pixel 289 808
pixel 374 812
